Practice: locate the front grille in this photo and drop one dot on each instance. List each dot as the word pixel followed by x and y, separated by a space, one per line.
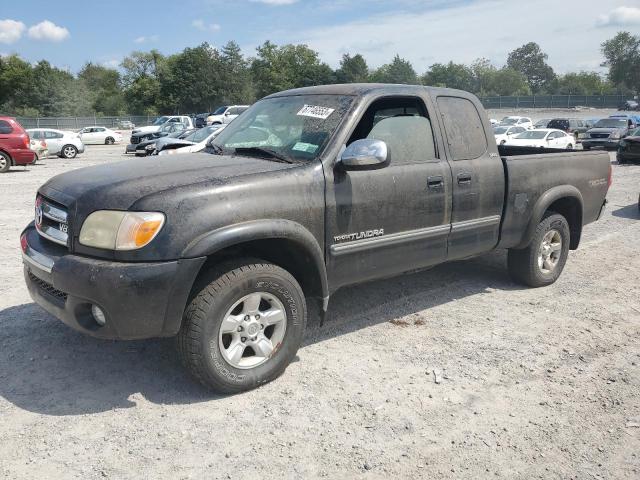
pixel 48 288
pixel 599 135
pixel 52 221
pixel 135 140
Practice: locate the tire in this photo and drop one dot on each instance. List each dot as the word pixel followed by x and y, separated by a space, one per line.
pixel 525 266
pixel 68 152
pixel 109 141
pixel 5 162
pixel 569 146
pixel 585 147
pixel 502 142
pixel 229 301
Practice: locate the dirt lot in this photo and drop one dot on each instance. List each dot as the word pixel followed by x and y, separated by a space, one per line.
pixel 540 383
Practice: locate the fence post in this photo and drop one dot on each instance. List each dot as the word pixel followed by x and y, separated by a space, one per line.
pixel 534 101
pixel 37 122
pixel 76 119
pixel 569 101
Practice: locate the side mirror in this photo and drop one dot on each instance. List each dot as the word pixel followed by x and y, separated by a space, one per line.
pixel 226 114
pixel 365 153
pixel 509 133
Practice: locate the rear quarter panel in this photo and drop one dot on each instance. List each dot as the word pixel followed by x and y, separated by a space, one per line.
pixel 535 181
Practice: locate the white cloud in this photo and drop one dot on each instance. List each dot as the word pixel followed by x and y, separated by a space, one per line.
pixel 112 63
pixel 48 31
pixel 620 17
pixel 151 38
pixel 205 27
pixel 275 2
pixel 462 33
pixel 11 30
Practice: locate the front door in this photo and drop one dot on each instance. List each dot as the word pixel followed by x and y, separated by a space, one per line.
pixel 381 222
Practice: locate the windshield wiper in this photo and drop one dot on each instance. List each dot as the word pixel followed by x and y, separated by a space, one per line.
pixel 214 148
pixel 263 153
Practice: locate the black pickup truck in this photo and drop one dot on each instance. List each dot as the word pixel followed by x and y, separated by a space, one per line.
pixel 308 191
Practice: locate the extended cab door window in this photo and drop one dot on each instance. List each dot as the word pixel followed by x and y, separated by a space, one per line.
pixel 404 207
pixel 478 178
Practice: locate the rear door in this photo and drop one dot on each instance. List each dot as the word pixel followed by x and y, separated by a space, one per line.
pixel 7 136
pixel 478 177
pixel 54 141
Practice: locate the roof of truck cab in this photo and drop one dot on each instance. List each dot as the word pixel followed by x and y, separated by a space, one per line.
pixel 359 89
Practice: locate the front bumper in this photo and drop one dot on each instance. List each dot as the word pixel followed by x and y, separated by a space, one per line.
pixel 131 148
pixel 140 300
pixel 600 142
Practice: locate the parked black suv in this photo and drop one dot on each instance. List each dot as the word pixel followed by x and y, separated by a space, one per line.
pixel 573 126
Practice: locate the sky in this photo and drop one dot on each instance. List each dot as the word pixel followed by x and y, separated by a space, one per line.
pixel 69 33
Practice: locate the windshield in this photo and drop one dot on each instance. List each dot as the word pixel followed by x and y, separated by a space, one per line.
pixel 635 133
pixel 296 127
pixel 509 121
pixel 219 111
pixel 160 120
pixel 611 123
pixel 202 134
pixel 533 134
pixel 500 130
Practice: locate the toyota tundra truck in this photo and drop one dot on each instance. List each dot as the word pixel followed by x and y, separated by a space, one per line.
pixel 308 191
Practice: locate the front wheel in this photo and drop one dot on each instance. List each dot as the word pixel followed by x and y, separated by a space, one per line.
pixel 109 141
pixel 569 146
pixel 244 327
pixel 542 262
pixel 584 147
pixel 5 162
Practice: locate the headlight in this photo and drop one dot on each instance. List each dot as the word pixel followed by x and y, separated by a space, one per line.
pixel 116 230
pixel 151 146
pixel 615 135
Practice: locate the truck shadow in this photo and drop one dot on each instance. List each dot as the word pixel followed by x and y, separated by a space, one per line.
pixel 47 368
pixel 630 211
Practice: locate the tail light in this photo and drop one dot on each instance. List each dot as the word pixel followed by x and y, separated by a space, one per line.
pixel 610 176
pixel 27 141
pixel 43 144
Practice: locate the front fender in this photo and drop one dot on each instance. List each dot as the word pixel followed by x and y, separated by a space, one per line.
pixel 216 240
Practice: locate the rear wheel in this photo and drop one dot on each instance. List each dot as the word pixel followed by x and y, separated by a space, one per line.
pixel 5 162
pixel 584 147
pixel 542 262
pixel 68 151
pixel 243 328
pixel 109 141
pixel 569 146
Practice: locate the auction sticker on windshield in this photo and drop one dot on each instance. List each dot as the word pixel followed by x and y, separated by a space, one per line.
pixel 315 111
pixel 305 147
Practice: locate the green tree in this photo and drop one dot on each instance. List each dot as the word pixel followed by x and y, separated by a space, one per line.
pixel 398 71
pixel 451 75
pixel 622 57
pixel 531 61
pixel 582 83
pixel 104 88
pixel 235 76
pixel 507 81
pixel 289 66
pixel 141 81
pixel 352 69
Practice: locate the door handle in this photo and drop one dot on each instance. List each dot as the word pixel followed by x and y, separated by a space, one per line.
pixel 436 181
pixel 464 179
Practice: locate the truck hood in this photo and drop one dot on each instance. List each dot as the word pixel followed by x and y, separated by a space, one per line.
pixel 119 185
pixel 148 129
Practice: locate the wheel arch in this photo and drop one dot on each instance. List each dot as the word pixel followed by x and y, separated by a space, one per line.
pixel 565 200
pixel 282 242
pixel 11 161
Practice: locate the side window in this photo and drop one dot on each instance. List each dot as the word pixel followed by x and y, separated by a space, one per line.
pixel 464 128
pixel 5 127
pixel 403 124
pixel 35 135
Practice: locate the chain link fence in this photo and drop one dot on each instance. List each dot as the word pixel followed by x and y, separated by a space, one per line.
pixel 531 101
pixel 554 101
pixel 76 123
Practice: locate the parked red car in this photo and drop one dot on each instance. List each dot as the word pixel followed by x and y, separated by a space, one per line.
pixel 14 145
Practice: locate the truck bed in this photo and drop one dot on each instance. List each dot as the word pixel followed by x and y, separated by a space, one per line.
pixel 533 179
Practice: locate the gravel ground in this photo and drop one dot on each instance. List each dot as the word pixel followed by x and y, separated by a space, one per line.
pixel 450 373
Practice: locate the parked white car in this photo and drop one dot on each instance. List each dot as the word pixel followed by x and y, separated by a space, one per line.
pixel 61 143
pixel 200 139
pixel 543 138
pixel 99 136
pixel 504 133
pixel 517 122
pixel 226 114
pixel 165 120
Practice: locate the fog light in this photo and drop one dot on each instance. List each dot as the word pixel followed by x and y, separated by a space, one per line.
pixel 98 315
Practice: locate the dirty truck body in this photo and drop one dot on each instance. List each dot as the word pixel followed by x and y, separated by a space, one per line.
pixel 308 191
